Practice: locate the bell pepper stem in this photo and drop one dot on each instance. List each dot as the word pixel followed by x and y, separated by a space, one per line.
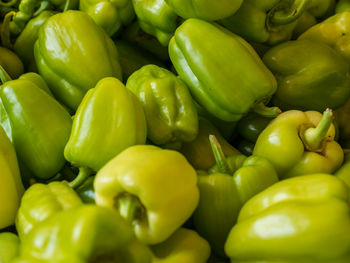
pixel 283 13
pixel 66 6
pixel 4 76
pixel 219 155
pixel 262 110
pixel 5 30
pixel 44 5
pixel 129 207
pixel 8 4
pixel 313 137
pixel 84 173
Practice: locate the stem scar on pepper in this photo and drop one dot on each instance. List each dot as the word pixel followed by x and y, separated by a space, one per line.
pixel 130 207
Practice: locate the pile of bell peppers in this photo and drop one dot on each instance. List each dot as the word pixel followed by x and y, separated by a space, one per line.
pixel 175 131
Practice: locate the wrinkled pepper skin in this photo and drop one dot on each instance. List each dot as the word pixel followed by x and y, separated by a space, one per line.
pixel 272 21
pixel 109 119
pixel 40 126
pixel 184 246
pixel 156 18
pixel 11 187
pixel 198 152
pixel 11 62
pixel 110 15
pixel 84 234
pixel 60 54
pixel 287 222
pixel 41 201
pixel 342 6
pixel 204 9
pixel 24 44
pixel 334 32
pixel 310 76
pixel 132 58
pixel 171 114
pixel 155 205
pixel 9 247
pixel 228 82
pixel 225 189
pixel 295 147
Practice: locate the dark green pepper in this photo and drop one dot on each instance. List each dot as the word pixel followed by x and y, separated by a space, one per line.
pixel 222 71
pixel 310 75
pixel 69 48
pixel 342 6
pixel 170 112
pixel 24 44
pixel 11 62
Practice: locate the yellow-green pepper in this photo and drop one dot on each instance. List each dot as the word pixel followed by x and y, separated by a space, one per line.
pixel 11 187
pixel 153 189
pixel 9 247
pixel 299 143
pixel 303 219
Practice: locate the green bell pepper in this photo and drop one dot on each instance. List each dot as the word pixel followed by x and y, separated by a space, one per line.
pixel 9 247
pixel 342 116
pixel 299 143
pixel 205 9
pixel 170 112
pixel 39 125
pixel 135 35
pixel 134 184
pixel 306 21
pixel 11 187
pixel 87 233
pixel 110 15
pixel 273 21
pixel 224 74
pixel 198 152
pixel 184 246
pixel 303 219
pixel 334 32
pixel 86 191
pixel 343 173
pixel 69 47
pixel 225 188
pixel 310 76
pixel 11 62
pixel 132 58
pixel 156 18
pixel 24 44
pixel 28 9
pixel 108 120
pixel 342 6
pixel 41 201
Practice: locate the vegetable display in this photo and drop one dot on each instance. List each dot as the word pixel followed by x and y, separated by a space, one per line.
pixel 174 131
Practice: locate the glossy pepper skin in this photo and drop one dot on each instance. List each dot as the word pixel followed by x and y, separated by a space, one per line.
pixel 85 234
pixel 134 183
pixel 133 58
pixel 11 62
pixel 198 152
pixel 205 9
pixel 40 126
pixel 9 247
pixel 156 18
pixel 60 54
pixel 11 187
pixel 184 246
pixel 110 15
pixel 225 76
pixel 223 191
pixel 41 201
pixel 310 76
pixel 334 32
pixel 272 21
pixel 299 143
pixel 171 114
pixel 109 119
pixel 24 44
pixel 287 222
